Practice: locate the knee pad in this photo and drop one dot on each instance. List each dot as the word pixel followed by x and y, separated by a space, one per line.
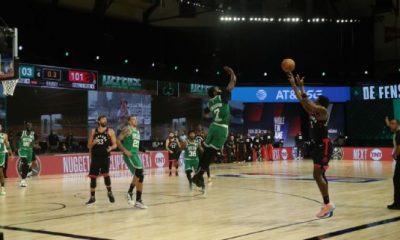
pixel 107 180
pixel 139 174
pixel 93 182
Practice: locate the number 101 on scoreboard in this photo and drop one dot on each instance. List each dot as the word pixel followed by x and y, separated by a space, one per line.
pixel 81 76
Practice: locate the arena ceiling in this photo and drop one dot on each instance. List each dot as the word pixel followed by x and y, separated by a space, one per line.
pixel 169 12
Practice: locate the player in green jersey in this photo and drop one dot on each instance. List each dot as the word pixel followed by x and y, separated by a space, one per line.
pixel 218 107
pixel 129 143
pixel 192 152
pixel 26 143
pixel 4 148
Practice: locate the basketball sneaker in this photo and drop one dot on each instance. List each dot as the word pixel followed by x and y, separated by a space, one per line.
pixel 129 196
pixel 326 211
pixel 394 206
pixel 198 180
pixel 23 183
pixel 111 197
pixel 91 201
pixel 2 191
pixel 140 204
pixel 30 174
pixel 203 191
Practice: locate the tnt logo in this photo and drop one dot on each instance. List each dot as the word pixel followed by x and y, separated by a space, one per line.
pixel 160 160
pixel 376 154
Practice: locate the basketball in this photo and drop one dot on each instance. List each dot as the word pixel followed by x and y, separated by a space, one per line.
pixel 288 65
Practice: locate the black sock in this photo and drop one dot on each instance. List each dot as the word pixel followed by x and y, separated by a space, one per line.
pixel 92 194
pixel 2 184
pixel 189 176
pixel 326 199
pixel 131 187
pixel 138 196
pixel 108 188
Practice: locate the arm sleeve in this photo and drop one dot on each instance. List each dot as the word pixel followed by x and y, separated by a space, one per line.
pixel 226 96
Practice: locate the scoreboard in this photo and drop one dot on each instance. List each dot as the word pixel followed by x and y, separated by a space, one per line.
pixel 57 77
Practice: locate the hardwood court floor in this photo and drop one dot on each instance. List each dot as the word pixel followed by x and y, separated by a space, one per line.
pixel 275 200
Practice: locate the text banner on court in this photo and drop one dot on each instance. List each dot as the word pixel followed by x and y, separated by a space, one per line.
pixel 286 94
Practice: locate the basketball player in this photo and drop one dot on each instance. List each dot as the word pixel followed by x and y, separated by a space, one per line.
pixel 26 144
pixel 173 146
pixel 219 108
pixel 200 137
pixel 249 147
pixel 101 142
pixel 241 149
pixel 192 152
pixel 395 129
pixel 319 137
pixel 129 143
pixel 4 148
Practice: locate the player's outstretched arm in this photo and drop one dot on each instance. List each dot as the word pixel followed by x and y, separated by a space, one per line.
pixel 387 122
pixel 232 80
pixel 292 82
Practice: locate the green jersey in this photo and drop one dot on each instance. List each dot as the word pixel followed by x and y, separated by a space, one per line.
pixel 27 140
pixel 132 140
pixel 191 151
pixel 2 143
pixel 219 108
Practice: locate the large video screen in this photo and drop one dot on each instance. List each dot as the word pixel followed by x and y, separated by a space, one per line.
pixel 118 106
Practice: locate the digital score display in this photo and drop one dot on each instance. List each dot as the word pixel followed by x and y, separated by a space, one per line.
pixel 57 77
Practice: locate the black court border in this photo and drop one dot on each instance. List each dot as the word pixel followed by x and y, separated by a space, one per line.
pixel 69 235
pixel 353 229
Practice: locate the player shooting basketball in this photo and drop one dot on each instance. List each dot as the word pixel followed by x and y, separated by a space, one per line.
pixel 321 145
pixel 219 108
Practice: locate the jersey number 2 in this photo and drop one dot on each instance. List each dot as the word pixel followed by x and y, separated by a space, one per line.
pixel 216 114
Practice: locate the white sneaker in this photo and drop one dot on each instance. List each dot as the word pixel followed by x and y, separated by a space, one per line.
pixel 139 204
pixel 130 199
pixel 23 183
pixel 30 174
pixel 2 191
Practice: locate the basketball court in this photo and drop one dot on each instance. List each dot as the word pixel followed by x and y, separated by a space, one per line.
pixel 272 200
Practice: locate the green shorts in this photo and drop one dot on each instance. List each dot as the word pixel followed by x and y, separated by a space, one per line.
pixel 217 135
pixel 133 162
pixel 26 153
pixel 191 164
pixel 2 159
